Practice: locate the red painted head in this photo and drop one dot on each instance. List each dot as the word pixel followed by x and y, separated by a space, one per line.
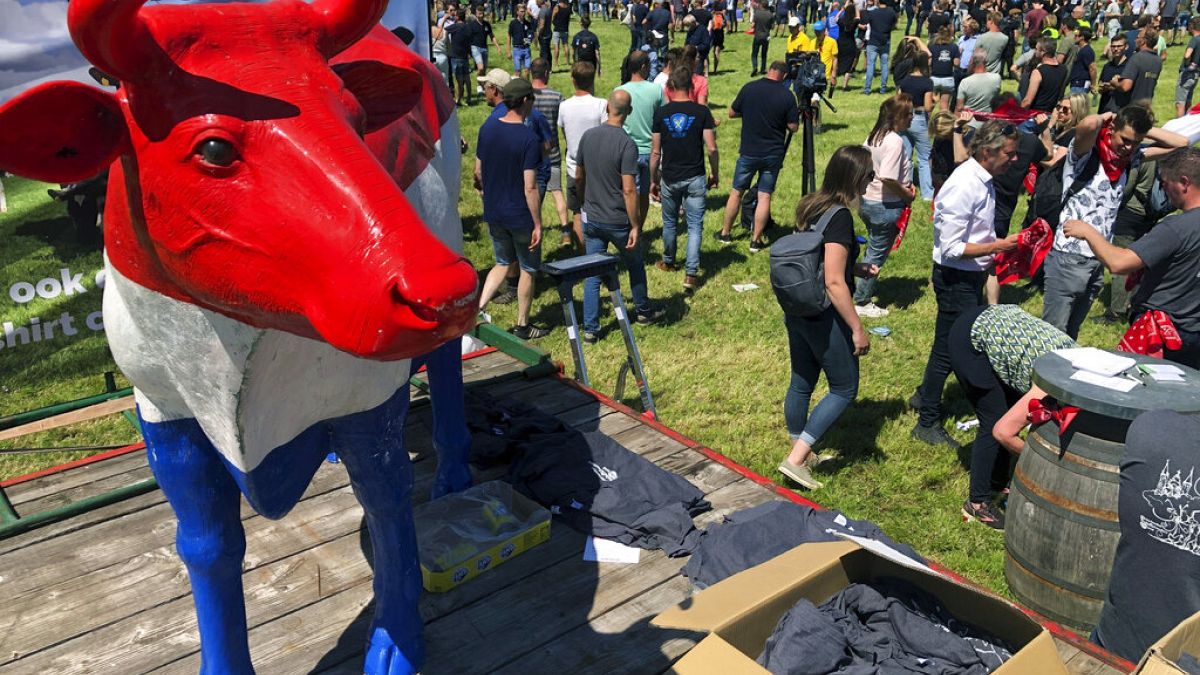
pixel 243 179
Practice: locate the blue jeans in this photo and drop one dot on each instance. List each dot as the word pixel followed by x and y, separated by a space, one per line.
pixel 691 192
pixel 880 219
pixel 642 179
pixel 918 133
pixel 877 52
pixel 521 58
pixel 1082 89
pixel 596 238
pixel 767 168
pixel 823 343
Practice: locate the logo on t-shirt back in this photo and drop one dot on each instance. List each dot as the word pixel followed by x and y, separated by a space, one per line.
pixel 679 123
pixel 1174 506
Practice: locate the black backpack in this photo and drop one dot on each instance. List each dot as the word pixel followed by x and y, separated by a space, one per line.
pixel 1048 195
pixel 585 49
pixel 798 269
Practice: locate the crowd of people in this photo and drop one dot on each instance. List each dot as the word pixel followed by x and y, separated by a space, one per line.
pixel 1107 188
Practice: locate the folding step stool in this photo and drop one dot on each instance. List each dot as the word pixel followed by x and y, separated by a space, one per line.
pixel 567 273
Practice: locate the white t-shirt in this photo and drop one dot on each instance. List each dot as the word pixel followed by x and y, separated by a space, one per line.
pixel 575 116
pixel 533 8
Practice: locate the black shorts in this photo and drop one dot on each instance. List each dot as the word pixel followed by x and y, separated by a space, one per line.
pixel 573 201
pixel 718 38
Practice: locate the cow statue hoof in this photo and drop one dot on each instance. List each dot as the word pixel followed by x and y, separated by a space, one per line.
pixel 385 657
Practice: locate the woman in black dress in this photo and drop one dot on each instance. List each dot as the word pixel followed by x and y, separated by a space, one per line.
pixel 847 47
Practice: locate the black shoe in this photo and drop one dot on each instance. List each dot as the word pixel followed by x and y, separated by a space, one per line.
pixel 914 401
pixel 529 331
pixel 725 239
pixel 590 337
pixel 653 316
pixel 935 435
pixel 757 245
pixel 505 296
pixel 754 73
pixel 987 514
pixel 1107 319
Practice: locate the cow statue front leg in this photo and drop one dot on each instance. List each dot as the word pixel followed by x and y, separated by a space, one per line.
pixel 371 446
pixel 209 538
pixel 451 439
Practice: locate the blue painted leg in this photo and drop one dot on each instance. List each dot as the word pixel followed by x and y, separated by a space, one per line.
pixel 451 439
pixel 371 445
pixel 208 537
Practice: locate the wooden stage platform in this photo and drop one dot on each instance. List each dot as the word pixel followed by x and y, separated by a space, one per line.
pixel 105 592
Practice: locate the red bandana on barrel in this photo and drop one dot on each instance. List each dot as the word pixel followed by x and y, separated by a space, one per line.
pixel 1149 334
pixel 1026 259
pixel 1113 165
pixel 1045 409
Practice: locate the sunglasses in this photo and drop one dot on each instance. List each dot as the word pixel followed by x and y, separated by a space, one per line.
pixel 1064 109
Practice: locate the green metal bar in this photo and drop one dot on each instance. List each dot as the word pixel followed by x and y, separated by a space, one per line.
pixel 25 523
pixel 8 513
pixel 132 419
pixel 59 408
pixel 511 344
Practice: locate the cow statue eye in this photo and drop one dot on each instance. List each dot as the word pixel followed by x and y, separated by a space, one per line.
pixel 217 152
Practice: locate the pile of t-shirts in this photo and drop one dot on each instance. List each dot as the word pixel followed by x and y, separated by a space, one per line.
pixel 757 534
pixel 496 428
pixel 889 626
pixel 600 487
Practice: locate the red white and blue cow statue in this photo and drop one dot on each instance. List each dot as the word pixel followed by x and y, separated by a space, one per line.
pixel 282 239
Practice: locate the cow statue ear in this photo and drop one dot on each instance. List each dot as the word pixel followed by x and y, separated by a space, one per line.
pixel 386 92
pixel 61 132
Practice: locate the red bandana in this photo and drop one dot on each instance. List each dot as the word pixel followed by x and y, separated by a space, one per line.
pixel 1024 261
pixel 1113 166
pixel 1046 409
pixel 1149 334
pixel 901 227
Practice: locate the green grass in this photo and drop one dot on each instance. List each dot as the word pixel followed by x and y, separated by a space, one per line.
pixel 718 367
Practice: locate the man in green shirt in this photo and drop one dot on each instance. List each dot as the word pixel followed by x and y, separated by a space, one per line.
pixel 647 98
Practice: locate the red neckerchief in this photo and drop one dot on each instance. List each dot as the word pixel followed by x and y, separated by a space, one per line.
pixel 901 227
pixel 1024 261
pixel 1046 409
pixel 1010 111
pixel 1149 334
pixel 1113 165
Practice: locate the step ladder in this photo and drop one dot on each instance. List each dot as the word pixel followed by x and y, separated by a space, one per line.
pixel 567 273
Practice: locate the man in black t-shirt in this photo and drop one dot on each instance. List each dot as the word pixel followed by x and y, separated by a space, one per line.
pixel 768 111
pixel 1169 254
pixel 682 132
pixel 585 45
pixel 462 35
pixel 882 21
pixel 560 21
pixel 1083 70
pixel 637 29
pixel 520 39
pixel 762 20
pixel 1112 99
pixel 1155 581
pixel 1140 76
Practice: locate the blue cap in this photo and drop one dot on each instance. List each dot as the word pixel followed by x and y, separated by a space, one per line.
pixel 820 25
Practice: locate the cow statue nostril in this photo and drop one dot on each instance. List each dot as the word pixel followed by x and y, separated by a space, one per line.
pixel 422 308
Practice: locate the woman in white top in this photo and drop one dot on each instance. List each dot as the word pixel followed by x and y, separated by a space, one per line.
pixel 887 194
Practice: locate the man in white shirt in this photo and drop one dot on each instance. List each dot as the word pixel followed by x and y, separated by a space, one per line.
pixel 1105 146
pixel 964 241
pixel 576 115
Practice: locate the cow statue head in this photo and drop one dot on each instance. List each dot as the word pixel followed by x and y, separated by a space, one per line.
pixel 242 176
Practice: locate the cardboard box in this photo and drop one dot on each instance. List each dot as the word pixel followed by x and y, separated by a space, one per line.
pixel 741 612
pixel 462 535
pixel 1160 658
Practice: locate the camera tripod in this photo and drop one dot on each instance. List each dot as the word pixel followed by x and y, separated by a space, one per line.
pixel 808 116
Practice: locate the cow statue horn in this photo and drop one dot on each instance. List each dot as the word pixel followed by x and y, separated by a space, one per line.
pixel 344 22
pixel 113 37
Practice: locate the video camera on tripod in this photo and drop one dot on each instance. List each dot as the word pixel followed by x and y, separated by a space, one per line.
pixel 807 74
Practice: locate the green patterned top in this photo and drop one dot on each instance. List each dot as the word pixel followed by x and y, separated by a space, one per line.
pixel 1012 340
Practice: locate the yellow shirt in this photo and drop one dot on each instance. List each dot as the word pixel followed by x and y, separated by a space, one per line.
pixel 799 43
pixel 803 43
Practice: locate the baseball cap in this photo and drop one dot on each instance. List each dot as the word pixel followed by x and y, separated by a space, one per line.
pixel 517 88
pixel 497 77
pixel 820 25
pixel 793 22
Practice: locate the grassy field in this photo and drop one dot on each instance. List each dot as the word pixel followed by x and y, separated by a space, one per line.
pixel 718 366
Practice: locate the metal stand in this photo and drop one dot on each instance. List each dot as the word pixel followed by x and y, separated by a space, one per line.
pixel 567 273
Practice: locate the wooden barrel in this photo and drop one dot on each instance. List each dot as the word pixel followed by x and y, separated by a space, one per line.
pixel 1061 526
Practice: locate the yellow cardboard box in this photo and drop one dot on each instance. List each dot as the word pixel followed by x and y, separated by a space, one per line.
pixel 1160 658
pixel 462 535
pixel 741 612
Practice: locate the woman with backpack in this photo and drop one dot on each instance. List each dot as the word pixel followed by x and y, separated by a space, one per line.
pixel 830 339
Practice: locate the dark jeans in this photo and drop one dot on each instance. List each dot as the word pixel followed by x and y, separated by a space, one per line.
pixel 1072 283
pixel 759 46
pixel 635 38
pixel 990 398
pixel 596 238
pixel 823 343
pixel 957 291
pixel 1118 298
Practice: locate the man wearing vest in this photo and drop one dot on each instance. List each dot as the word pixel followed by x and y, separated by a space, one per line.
pixel 964 240
pixel 1094 176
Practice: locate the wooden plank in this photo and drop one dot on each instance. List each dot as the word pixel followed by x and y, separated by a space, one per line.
pixel 72 478
pixel 1085 664
pixel 619 641
pixel 66 496
pixel 91 412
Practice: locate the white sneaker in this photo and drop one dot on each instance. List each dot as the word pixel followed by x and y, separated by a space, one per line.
pixel 871 311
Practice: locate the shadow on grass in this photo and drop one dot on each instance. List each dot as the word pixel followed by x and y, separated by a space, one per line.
pixel 899 292
pixel 856 432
